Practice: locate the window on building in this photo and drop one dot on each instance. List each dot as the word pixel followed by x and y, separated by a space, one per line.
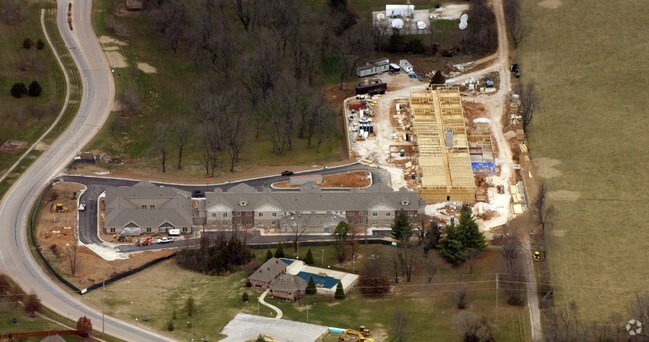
pixel 143 206
pixel 185 229
pixel 351 214
pixel 237 214
pixel 225 214
pixel 249 213
pixel 148 230
pixel 375 214
pixel 213 214
pixel 152 206
pixel 274 214
pixel 274 222
pixel 374 222
pixel 388 214
pixel 112 230
pixel 261 214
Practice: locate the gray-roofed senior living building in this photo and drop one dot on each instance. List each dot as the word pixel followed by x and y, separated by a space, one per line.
pixel 312 207
pixel 147 208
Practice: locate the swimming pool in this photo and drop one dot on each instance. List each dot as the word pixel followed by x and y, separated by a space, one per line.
pixel 326 281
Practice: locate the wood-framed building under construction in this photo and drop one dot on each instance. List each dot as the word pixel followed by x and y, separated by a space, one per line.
pixel 445 172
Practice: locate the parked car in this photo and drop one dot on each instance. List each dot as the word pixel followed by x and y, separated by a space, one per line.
pixel 287 173
pixel 164 240
pixel 82 207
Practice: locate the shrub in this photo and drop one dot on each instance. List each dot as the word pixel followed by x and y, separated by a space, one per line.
pixel 28 43
pixel 245 297
pixel 269 255
pixel 279 252
pixel 170 325
pixel 189 306
pixel 340 292
pixel 84 324
pixel 248 283
pixel 310 288
pixel 309 257
pixel 39 44
pixel 32 304
pixel 18 90
pixel 35 89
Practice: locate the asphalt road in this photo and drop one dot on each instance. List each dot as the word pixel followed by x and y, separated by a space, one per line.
pixel 15 255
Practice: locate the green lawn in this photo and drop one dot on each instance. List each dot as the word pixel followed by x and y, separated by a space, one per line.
pixel 20 117
pixel 149 298
pixel 588 64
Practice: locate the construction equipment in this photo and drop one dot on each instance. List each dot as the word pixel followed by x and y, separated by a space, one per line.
pixel 536 255
pixel 144 241
pixel 363 329
pixel 61 209
pixel 124 238
pixel 361 337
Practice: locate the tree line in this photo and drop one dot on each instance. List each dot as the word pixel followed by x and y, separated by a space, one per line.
pixel 259 65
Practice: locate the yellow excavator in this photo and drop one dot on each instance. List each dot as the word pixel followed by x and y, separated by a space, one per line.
pixel 362 334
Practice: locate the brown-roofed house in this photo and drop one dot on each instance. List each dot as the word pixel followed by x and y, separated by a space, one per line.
pixel 289 287
pixel 267 273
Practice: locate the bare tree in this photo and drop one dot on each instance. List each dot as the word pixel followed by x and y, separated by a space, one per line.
pixel 73 252
pixel 517 29
pixel 297 229
pixel 461 297
pixel 351 47
pixel 400 325
pixel 373 279
pixel 542 211
pixel 13 12
pixel 182 135
pixel 431 269
pixel 235 136
pixel 406 256
pixel 162 144
pixel 246 12
pixel 563 324
pixel 172 21
pixel 474 328
pixel 379 32
pixel 341 234
pixel 514 274
pixel 529 102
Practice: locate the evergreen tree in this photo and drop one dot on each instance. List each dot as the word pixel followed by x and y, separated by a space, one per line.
pixel 245 297
pixel 309 257
pixel 279 252
pixel 35 89
pixel 451 248
pixel 431 237
pixel 340 292
pixel 189 306
pixel 39 44
pixel 438 79
pixel 84 325
pixel 27 43
pixel 341 233
pixel 401 227
pixel 470 234
pixel 18 90
pixel 269 255
pixel 310 288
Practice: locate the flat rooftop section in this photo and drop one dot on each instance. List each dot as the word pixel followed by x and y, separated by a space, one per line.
pixel 440 133
pixel 245 327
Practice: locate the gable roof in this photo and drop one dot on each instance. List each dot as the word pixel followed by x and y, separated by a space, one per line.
pixel 311 197
pixel 124 206
pixel 289 283
pixel 269 270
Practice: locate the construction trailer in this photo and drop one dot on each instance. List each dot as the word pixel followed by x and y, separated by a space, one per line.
pixel 371 87
pixel 374 67
pixel 445 172
pixel 406 66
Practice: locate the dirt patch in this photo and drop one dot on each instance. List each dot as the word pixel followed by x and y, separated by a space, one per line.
pixel 41 146
pixel 11 146
pixel 358 179
pixel 564 195
pixel 110 40
pixel 116 59
pixel 545 167
pixel 550 4
pixel 146 68
pixel 117 106
pixel 56 233
pixel 559 232
pixel 110 48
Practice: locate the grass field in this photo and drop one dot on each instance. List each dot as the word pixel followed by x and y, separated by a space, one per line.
pixel 590 138
pixel 18 115
pixel 149 298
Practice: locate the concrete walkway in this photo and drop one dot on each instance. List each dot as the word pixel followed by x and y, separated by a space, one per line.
pixel 261 300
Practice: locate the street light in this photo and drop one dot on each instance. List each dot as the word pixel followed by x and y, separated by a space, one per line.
pixel 353 263
pixel 322 259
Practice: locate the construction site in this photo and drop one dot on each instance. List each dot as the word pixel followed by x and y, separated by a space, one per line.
pixel 437 141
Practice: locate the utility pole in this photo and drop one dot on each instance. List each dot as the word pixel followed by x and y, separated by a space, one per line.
pixel 258 299
pixel 322 259
pixel 103 304
pixel 307 313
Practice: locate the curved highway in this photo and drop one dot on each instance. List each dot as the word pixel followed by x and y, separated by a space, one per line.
pixel 15 256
